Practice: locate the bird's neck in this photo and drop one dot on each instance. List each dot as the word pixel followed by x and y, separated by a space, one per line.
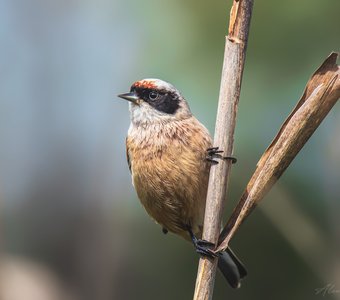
pixel 157 132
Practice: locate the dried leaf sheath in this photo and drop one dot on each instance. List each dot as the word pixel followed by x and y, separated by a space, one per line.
pixel 320 95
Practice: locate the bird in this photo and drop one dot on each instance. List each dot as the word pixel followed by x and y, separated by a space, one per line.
pixel 169 154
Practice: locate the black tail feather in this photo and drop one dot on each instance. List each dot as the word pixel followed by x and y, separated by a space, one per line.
pixel 241 268
pixel 232 268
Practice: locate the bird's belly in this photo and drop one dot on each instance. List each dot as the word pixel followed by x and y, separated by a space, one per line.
pixel 172 188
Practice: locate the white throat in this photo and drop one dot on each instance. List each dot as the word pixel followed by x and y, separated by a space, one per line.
pixel 144 115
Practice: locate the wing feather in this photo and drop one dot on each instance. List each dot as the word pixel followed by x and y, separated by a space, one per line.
pixel 127 154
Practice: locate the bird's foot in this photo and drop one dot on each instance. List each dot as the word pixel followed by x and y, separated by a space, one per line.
pixel 214 152
pixel 202 247
pixel 164 230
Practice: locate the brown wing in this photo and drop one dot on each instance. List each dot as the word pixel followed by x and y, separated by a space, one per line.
pixel 127 154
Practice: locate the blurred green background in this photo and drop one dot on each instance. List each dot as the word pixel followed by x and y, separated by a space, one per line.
pixel 72 226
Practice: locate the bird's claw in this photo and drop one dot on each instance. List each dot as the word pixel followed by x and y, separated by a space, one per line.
pixel 214 152
pixel 203 248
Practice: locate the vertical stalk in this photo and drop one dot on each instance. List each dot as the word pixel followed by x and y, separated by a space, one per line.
pixel 233 64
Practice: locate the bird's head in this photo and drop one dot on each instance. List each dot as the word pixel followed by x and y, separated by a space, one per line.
pixel 155 101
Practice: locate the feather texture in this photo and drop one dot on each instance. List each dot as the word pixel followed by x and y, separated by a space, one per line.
pixel 170 172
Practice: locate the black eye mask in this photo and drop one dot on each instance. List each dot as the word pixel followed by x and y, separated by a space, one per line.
pixel 162 101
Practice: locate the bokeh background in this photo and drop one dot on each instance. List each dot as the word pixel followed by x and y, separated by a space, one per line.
pixel 71 225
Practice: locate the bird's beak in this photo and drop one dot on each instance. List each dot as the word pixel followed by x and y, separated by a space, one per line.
pixel 132 97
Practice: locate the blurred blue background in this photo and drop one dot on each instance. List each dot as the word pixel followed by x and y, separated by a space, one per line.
pixel 72 226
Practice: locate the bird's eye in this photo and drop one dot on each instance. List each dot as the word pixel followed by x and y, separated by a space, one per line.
pixel 153 95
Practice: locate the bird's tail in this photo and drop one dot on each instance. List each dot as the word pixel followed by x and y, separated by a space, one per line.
pixel 232 268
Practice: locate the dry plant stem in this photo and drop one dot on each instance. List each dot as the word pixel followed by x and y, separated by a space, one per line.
pixel 320 95
pixel 234 57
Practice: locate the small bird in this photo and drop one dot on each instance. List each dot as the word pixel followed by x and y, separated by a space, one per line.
pixel 169 153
